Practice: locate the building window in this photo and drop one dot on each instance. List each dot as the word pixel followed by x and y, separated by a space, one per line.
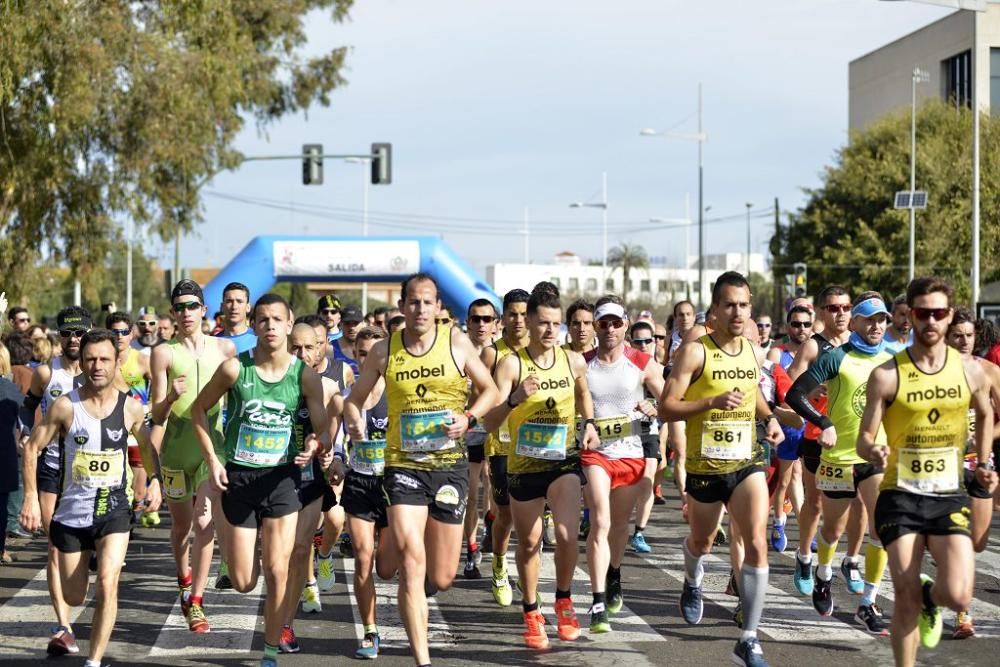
pixel 609 284
pixel 957 76
pixel 643 285
pixel 994 82
pixel 574 284
pixel 591 284
pixel 661 286
pixel 554 281
pixel 628 285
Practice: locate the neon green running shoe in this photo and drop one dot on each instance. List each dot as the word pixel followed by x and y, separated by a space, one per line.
pixel 502 592
pixel 930 621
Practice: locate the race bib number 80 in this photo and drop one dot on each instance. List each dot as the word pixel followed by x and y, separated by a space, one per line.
pixel 99 470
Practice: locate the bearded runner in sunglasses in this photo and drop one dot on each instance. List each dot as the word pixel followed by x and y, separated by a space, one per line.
pixel 714 386
pixel 922 398
pixel 49 382
pixel 425 366
pixel 181 368
pixel 93 513
pixel 834 315
pixel 616 375
pixel 843 476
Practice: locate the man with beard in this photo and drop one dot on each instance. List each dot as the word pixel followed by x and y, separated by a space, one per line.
pixel 899 335
pixel 148 332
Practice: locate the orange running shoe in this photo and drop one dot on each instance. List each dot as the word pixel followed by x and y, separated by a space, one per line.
pixel 197 622
pixel 963 626
pixel 569 626
pixel 534 633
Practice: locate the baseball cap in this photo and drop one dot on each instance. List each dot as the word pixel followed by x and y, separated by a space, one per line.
pixel 147 311
pixel 73 316
pixel 869 307
pixel 187 287
pixel 351 314
pixel 610 309
pixel 328 301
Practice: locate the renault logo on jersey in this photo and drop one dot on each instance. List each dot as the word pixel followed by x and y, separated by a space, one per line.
pixel 933 416
pixel 421 390
pixel 115 435
pixel 550 403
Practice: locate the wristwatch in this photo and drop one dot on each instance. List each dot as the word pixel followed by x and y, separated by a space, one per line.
pixel 473 420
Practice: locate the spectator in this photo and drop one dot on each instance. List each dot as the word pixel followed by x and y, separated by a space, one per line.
pixel 10 402
pixel 41 350
pixel 19 319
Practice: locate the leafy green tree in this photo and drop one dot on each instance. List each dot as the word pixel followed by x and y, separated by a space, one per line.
pixel 124 108
pixel 848 231
pixel 628 256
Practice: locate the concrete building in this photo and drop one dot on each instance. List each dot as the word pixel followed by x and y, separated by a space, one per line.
pixel 658 285
pixel 880 82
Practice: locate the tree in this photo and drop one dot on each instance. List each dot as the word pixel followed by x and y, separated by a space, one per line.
pixel 627 256
pixel 848 231
pixel 118 108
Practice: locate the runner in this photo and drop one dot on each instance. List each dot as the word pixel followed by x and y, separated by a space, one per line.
pixel 315 494
pixel 922 397
pixel 481 317
pixel 642 339
pixel 425 368
pixel 764 327
pixel 92 515
pixel 351 322
pixel 962 337
pixel 133 378
pixel 148 335
pixel 580 320
pixel 842 475
pixel 329 309
pixel 684 322
pixel 260 480
pixel 789 485
pixel 48 383
pixel 235 317
pixel 899 334
pixel 660 335
pixel 617 374
pixel 721 460
pixel 166 327
pixel 515 337
pixel 364 501
pixel 444 317
pixel 180 370
pixel 542 389
pixel 834 316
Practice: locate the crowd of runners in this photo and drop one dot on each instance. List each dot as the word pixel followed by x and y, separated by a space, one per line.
pixel 395 436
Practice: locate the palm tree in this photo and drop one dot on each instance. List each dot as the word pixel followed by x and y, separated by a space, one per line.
pixel 627 256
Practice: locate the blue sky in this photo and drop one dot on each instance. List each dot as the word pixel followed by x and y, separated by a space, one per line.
pixel 496 106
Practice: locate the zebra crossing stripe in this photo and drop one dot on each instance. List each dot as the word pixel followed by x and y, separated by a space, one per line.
pixel 29 612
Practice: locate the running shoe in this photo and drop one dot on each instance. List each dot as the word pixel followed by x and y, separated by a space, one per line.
pixel 599 619
pixel 62 642
pixel 288 643
pixel 963 626
pixel 346 548
pixel 222 582
pixel 803 576
pixel 325 578
pixel 852 576
pixel 185 600
pixel 738 614
pixel 613 588
pixel 197 621
pixel 534 631
pixel 584 528
pixel 486 545
pixel 779 542
pixel 310 599
pixel 658 498
pixel 870 616
pixel 639 544
pixel 268 662
pixel 477 556
pixel 368 650
pixel 569 626
pixel 929 621
pixel 748 653
pixel 823 597
pixel 548 529
pixel 732 588
pixel 692 605
pixel 721 539
pixel 502 592
pixel 471 571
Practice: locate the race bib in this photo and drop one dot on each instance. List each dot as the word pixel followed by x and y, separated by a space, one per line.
pixel 833 477
pixel 542 441
pixel 614 427
pixel 262 446
pixel 727 440
pixel 503 433
pixel 368 457
pixel 927 470
pixel 174 483
pixel 424 431
pixel 98 470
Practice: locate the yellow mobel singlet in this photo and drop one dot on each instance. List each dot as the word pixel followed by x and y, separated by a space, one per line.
pixel 723 441
pixel 498 442
pixel 423 392
pixel 543 427
pixel 927 424
pixel 180 449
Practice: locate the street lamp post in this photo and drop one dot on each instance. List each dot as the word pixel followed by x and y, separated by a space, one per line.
pixel 919 76
pixel 603 205
pixel 701 138
pixel 749 206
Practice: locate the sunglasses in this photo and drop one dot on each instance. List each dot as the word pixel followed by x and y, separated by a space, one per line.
pixel 23 320
pixel 837 308
pixel 610 324
pixel 121 332
pixel 642 341
pixel 659 337
pixel 800 325
pixel 764 326
pixel 329 311
pixel 480 319
pixel 186 305
pixel 72 333
pixel 151 323
pixel 443 320
pixel 926 313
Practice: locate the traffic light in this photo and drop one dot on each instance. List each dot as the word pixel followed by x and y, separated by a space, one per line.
pixel 381 164
pixel 799 280
pixel 312 164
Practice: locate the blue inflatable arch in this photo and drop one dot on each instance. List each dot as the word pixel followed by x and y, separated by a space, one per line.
pixel 269 259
